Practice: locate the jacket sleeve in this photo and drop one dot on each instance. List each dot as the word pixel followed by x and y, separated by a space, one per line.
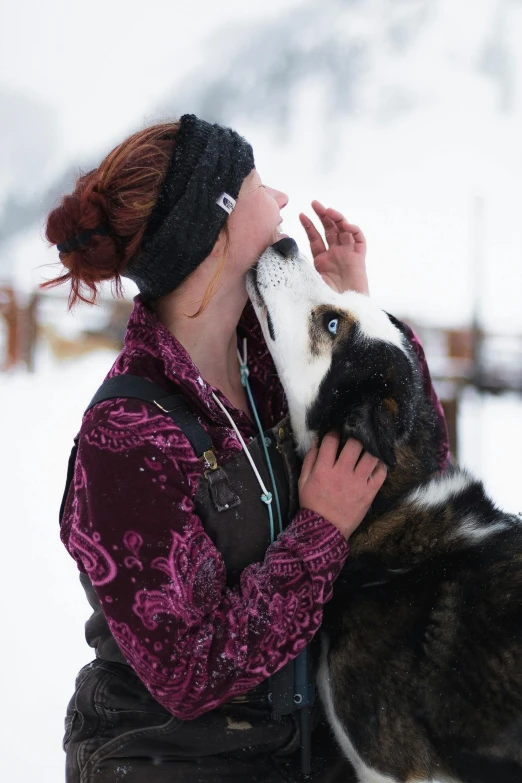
pixel 131 526
pixel 443 449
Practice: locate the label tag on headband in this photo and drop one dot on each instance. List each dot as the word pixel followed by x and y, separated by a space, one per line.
pixel 226 202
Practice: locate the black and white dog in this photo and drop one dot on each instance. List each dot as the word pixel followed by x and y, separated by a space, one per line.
pixel 421 672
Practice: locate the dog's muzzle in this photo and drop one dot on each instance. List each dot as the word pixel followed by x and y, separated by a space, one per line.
pixel 287 247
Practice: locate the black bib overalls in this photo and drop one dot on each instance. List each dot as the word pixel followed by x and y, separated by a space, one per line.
pixel 116 731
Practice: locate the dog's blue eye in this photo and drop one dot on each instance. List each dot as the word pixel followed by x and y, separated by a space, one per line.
pixel 332 325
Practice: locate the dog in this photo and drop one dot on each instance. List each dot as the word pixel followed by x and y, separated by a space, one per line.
pixel 421 666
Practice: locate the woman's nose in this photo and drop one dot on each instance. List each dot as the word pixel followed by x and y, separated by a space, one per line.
pixel 282 199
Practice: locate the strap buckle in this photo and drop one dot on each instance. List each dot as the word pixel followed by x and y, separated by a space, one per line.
pixel 210 459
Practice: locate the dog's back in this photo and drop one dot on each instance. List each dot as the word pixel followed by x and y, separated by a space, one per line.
pixel 424 673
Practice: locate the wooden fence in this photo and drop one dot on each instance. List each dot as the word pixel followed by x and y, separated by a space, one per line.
pixel 458 358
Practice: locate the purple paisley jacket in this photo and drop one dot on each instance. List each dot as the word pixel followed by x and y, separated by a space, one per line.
pixel 130 524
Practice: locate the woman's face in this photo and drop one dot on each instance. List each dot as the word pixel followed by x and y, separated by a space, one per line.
pixel 254 223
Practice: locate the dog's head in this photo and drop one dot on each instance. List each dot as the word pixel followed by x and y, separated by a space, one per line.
pixel 343 362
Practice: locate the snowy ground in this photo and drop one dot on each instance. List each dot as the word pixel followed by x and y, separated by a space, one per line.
pixel 41 599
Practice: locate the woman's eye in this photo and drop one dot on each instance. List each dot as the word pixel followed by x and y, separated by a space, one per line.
pixel 332 325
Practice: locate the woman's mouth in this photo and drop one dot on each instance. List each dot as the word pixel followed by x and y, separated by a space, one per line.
pixel 279 232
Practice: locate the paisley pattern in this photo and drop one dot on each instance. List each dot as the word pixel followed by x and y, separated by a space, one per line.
pixel 191 587
pixel 96 561
pixel 133 542
pixel 130 524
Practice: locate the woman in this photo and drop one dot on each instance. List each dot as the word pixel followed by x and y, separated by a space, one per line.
pixel 194 608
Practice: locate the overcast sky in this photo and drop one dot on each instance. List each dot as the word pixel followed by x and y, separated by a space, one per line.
pixel 76 77
pixel 87 70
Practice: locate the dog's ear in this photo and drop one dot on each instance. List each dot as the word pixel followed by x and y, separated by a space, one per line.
pixel 375 427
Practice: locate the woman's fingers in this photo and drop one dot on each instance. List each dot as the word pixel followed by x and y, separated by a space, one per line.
pixel 331 231
pixel 337 217
pixel 337 229
pixel 318 208
pixel 329 448
pixel 377 477
pixel 349 455
pixel 330 228
pixel 347 239
pixel 341 223
pixel 352 458
pixel 309 461
pixel 325 455
pixel 366 465
pixel 314 237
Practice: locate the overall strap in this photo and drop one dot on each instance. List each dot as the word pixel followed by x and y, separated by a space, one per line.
pixel 172 405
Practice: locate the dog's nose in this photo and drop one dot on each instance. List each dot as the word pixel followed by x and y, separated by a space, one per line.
pixel 287 247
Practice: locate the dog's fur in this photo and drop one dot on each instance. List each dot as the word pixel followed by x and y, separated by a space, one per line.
pixel 421 672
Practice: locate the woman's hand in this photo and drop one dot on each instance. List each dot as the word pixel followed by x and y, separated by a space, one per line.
pixel 342 265
pixel 340 490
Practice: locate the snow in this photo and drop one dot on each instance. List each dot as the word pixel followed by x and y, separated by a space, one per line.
pixel 42 603
pixel 490 431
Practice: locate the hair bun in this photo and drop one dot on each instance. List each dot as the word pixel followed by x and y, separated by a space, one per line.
pixel 118 196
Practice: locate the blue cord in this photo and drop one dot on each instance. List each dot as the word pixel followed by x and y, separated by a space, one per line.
pixel 265 498
pixel 300 664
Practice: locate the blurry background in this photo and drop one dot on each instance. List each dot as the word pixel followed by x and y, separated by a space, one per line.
pixel 403 114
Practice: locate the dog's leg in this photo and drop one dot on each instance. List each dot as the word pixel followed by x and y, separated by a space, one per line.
pixel 363 772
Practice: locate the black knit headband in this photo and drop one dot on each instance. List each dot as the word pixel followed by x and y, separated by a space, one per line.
pixel 203 180
pixel 198 193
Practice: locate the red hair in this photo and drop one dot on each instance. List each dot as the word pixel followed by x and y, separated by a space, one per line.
pixel 120 193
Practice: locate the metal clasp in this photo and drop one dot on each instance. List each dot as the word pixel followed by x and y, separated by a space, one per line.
pixel 210 459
